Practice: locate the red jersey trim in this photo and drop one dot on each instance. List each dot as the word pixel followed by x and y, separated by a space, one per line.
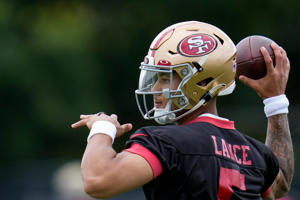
pixel 266 193
pixel 149 157
pixel 138 134
pixel 214 121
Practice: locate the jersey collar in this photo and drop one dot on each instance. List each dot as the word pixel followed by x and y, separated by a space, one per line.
pixel 214 120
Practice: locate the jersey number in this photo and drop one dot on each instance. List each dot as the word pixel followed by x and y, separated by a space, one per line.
pixel 229 178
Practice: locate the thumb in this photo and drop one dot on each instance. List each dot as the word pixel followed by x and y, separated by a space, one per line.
pixel 247 81
pixel 125 128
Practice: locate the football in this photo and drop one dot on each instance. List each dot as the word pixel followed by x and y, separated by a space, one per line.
pixel 250 61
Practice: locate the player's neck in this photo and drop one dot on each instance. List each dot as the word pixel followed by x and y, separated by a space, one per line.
pixel 210 107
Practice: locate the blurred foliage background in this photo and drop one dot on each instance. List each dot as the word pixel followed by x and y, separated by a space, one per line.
pixel 60 59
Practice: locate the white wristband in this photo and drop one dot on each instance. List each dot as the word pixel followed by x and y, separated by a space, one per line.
pixel 276 105
pixel 103 127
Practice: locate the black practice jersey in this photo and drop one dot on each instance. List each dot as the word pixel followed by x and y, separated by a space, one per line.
pixel 204 159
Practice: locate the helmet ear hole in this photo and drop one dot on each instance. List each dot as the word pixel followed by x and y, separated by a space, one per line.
pixel 205 82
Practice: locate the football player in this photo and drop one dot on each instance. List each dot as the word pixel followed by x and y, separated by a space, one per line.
pixel 198 155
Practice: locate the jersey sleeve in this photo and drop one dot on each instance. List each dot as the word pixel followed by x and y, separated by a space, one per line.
pixel 271 172
pixel 160 155
pixel 150 157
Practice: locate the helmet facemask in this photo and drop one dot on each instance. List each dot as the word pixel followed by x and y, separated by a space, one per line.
pixel 145 94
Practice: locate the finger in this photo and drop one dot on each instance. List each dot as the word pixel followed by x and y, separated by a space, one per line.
pixel 114 116
pixel 125 128
pixel 82 116
pixel 78 124
pixel 288 65
pixel 286 62
pixel 268 59
pixel 100 113
pixel 278 56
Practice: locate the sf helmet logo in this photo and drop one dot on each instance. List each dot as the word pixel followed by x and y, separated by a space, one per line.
pixel 197 42
pixel 197 45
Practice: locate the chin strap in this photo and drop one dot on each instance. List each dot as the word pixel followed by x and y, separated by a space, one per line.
pixel 163 116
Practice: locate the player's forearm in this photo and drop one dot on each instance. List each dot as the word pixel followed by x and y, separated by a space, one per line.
pixel 96 164
pixel 279 141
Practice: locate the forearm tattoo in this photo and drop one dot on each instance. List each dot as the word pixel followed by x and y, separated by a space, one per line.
pixel 279 141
